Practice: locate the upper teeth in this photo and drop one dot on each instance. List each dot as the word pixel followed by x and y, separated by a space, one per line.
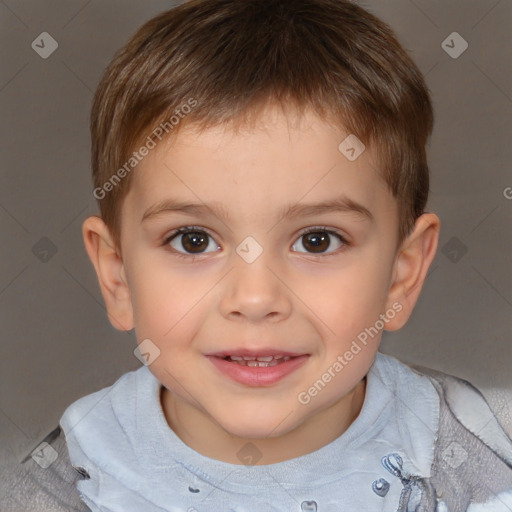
pixel 259 360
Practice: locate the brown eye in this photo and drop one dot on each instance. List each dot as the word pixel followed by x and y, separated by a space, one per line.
pixel 191 242
pixel 194 242
pixel 318 242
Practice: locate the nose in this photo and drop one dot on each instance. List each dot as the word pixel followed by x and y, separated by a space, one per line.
pixel 253 292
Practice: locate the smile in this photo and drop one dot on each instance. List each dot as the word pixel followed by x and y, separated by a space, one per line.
pixel 260 361
pixel 257 370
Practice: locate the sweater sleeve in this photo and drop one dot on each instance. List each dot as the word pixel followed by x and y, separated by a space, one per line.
pixel 47 486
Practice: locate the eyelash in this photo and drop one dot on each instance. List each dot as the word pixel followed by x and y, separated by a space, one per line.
pixel 314 229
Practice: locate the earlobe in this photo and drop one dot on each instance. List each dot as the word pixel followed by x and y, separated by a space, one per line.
pixel 110 271
pixel 411 266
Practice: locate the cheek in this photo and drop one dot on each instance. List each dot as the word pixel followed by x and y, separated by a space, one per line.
pixel 164 302
pixel 370 276
pixel 348 298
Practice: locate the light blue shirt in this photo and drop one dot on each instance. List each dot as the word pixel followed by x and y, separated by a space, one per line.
pixel 137 463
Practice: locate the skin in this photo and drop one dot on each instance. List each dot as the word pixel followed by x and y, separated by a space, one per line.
pixel 289 298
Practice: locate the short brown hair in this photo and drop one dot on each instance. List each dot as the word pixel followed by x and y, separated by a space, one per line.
pixel 231 57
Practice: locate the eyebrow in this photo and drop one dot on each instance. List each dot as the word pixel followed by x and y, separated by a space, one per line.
pixel 341 205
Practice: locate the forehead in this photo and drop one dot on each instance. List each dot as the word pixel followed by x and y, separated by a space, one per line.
pixel 280 159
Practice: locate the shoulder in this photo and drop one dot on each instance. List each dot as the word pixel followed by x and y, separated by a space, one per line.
pixel 471 461
pixel 123 389
pixel 472 467
pixel 465 404
pixel 457 401
pixel 112 406
pixel 103 429
pixel 45 481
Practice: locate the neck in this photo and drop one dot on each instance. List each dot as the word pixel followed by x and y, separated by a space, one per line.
pixel 204 435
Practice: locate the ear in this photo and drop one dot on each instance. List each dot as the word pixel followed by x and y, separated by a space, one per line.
pixel 110 271
pixel 412 262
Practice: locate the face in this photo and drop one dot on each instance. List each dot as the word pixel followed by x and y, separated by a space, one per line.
pixel 254 260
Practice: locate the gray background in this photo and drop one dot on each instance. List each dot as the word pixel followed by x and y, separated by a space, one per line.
pixel 56 342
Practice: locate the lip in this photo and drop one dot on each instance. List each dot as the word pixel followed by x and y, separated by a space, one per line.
pixel 254 353
pixel 257 376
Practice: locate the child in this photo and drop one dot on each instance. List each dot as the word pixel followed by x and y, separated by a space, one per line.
pixel 261 173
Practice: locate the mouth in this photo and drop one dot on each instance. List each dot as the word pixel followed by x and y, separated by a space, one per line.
pixel 265 368
pixel 258 361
